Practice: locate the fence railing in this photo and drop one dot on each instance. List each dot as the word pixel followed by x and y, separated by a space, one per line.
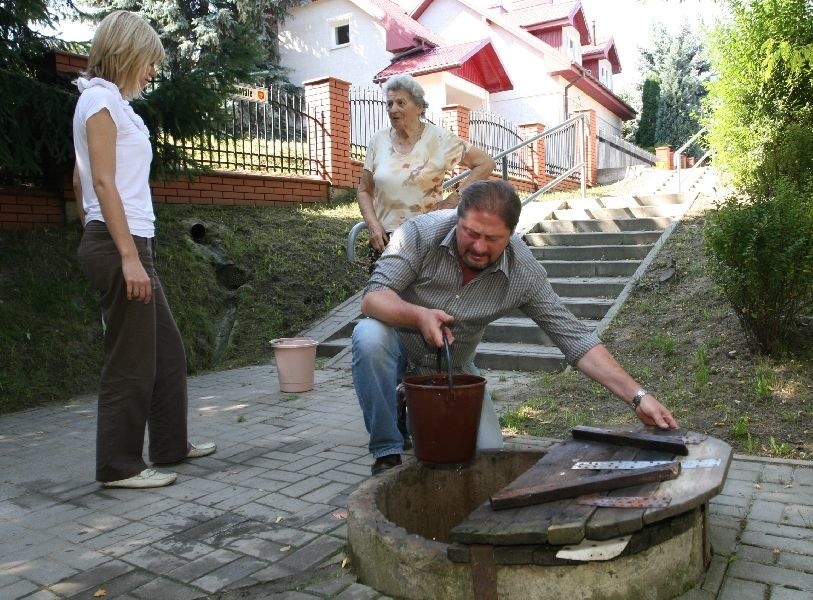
pixel 278 136
pixel 614 151
pixel 492 133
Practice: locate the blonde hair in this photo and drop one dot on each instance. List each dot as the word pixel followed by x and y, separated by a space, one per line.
pixel 123 46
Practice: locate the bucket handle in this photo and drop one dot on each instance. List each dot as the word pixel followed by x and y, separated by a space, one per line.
pixel 448 350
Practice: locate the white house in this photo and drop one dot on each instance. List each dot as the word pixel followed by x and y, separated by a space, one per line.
pixel 526 60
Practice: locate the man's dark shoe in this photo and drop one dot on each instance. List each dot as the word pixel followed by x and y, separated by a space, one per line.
pixel 385 462
pixel 402 417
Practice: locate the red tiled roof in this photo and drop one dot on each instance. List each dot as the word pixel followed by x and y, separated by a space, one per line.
pixel 605 49
pixel 475 61
pixel 402 30
pixel 536 13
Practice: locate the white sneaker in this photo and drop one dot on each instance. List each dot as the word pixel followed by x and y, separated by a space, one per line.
pixel 199 450
pixel 148 478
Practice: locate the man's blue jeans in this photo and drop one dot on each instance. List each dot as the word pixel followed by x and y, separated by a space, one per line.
pixel 379 361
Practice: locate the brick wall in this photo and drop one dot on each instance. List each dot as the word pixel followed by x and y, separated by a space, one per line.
pixel 234 189
pixel 31 209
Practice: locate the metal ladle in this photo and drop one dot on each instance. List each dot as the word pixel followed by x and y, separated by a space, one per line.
pixel 448 350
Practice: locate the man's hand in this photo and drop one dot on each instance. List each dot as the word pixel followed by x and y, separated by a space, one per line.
pixel 652 412
pixel 432 324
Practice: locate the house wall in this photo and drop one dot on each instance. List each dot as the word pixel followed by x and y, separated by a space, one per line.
pixel 534 98
pixel 307 49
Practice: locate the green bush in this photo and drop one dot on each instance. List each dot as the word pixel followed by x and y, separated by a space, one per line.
pixel 761 255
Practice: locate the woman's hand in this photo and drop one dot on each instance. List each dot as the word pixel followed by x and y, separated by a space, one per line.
pixel 450 201
pixel 138 283
pixel 378 237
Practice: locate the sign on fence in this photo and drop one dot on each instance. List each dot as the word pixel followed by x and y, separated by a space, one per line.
pixel 257 94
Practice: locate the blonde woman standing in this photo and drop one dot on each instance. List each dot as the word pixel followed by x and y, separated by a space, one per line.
pixel 143 382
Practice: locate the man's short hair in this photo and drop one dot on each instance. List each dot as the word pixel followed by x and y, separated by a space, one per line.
pixel 492 196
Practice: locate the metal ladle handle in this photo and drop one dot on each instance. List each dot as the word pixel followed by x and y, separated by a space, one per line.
pixel 447 347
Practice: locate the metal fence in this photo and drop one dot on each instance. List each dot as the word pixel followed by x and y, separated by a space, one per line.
pixel 493 133
pixel 563 151
pixel 368 114
pixel 279 136
pixel 614 152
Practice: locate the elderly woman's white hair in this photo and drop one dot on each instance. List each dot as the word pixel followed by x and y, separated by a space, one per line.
pixel 410 85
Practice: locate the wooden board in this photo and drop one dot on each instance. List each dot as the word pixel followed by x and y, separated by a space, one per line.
pixel 666 441
pixel 586 484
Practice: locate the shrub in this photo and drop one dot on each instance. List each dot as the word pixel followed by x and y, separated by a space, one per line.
pixel 761 255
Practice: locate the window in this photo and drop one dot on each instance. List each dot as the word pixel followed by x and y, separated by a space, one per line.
pixel 605 74
pixel 341 34
pixel 574 49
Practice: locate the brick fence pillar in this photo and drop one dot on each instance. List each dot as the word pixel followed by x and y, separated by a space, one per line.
pixel 328 99
pixel 664 157
pixel 527 131
pixel 456 118
pixel 592 146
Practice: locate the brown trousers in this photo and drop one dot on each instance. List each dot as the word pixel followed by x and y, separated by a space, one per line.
pixel 143 381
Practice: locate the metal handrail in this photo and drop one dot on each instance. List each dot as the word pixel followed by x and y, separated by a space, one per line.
pixel 680 150
pixel 503 157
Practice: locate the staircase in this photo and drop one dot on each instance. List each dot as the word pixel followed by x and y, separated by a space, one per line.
pixel 593 250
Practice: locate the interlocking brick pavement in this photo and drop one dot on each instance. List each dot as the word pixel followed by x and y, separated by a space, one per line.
pixel 262 518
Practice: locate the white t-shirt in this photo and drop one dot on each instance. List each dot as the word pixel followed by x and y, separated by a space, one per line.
pixel 133 155
pixel 409 184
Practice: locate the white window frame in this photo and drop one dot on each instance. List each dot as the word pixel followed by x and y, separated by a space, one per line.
pixel 605 74
pixel 335 23
pixel 573 46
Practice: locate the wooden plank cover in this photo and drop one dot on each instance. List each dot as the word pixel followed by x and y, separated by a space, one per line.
pixel 656 440
pixel 557 490
pixel 698 486
pixel 565 522
pixel 529 525
pixel 607 522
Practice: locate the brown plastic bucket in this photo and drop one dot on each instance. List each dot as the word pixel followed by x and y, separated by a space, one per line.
pixel 444 425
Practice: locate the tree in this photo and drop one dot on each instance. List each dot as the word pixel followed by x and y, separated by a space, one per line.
pixel 645 136
pixel 760 240
pixel 679 64
pixel 764 88
pixel 210 47
pixel 35 113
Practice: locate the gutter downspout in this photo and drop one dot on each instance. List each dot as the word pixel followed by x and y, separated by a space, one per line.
pixel 581 75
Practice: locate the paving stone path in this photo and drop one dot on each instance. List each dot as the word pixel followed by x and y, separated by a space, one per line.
pixel 264 517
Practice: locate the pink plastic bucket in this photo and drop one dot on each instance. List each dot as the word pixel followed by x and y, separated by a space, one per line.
pixel 296 363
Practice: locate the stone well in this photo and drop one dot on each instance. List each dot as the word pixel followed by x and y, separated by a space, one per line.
pixel 399 524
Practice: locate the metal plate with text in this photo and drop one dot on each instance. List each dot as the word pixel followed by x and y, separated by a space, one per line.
pixel 643 464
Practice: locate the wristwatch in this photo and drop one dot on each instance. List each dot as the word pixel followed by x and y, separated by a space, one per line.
pixel 636 399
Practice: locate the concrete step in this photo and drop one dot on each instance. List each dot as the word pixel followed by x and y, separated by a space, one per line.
pixel 598 238
pixel 636 212
pixel 519 357
pixel 582 308
pixel 519 330
pixel 590 268
pixel 621 252
pixel 587 287
pixel 643 224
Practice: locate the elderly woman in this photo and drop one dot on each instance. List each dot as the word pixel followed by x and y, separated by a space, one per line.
pixel 407 162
